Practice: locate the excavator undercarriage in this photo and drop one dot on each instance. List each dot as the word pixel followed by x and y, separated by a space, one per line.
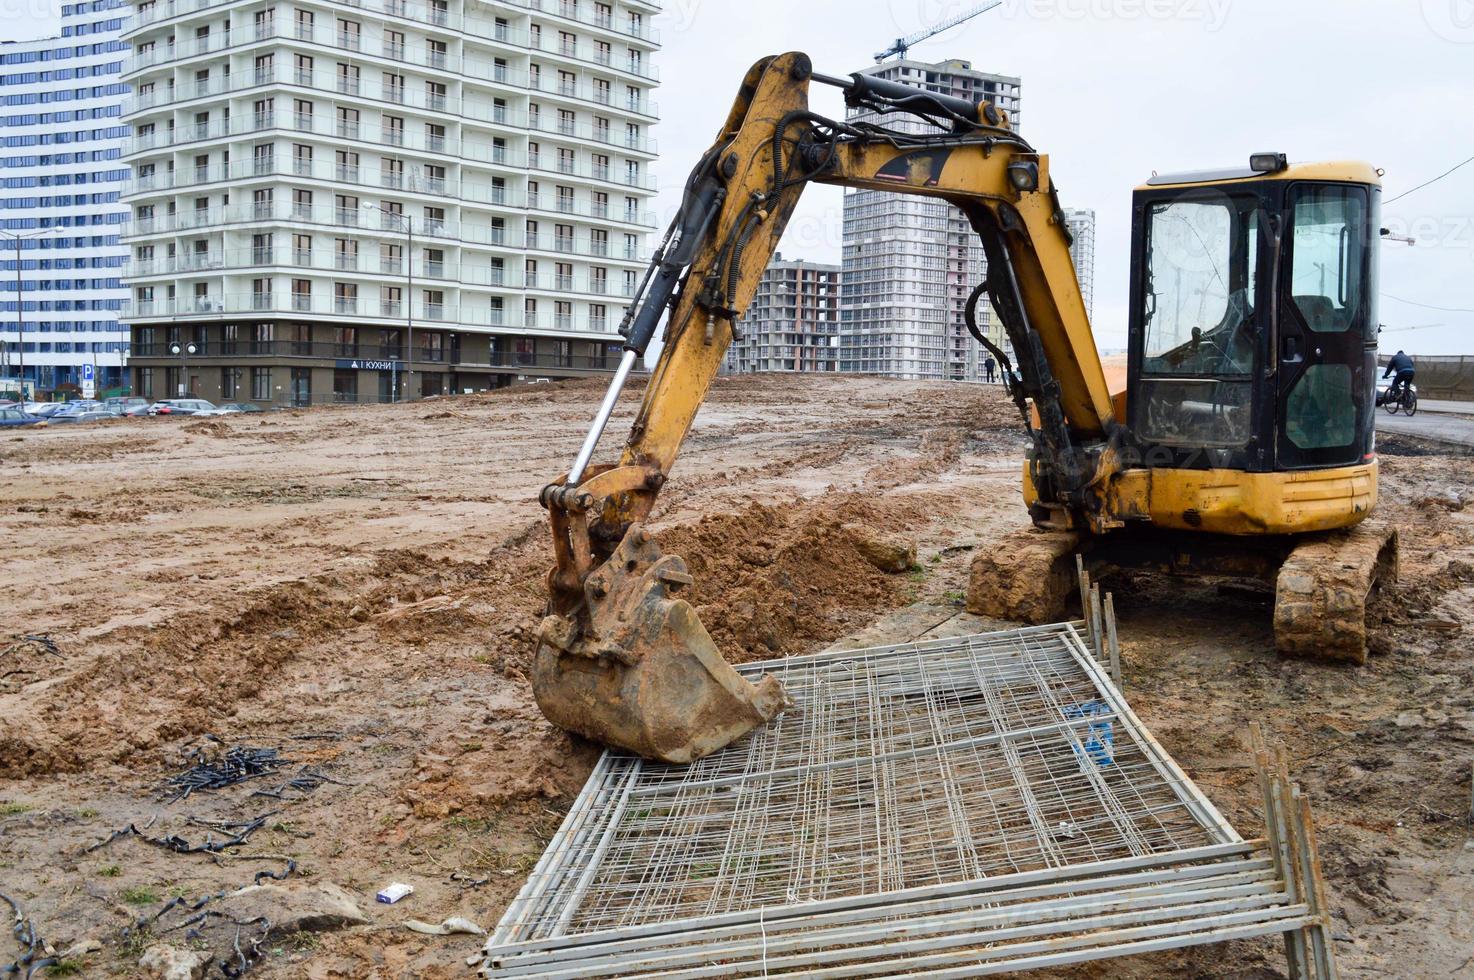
pixel 1321 582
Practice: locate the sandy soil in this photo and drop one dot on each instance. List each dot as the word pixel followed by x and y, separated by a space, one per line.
pixel 357 588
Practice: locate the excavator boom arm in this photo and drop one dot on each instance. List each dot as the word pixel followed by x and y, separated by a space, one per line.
pixel 705 274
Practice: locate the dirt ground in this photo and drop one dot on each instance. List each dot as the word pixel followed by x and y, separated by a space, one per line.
pixel 358 589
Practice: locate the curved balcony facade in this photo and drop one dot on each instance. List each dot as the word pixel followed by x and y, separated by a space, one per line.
pixel 466 168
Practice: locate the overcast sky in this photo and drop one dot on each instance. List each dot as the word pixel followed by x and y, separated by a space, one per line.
pixel 1114 89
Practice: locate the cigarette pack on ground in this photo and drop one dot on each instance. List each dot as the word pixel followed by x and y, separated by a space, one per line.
pixel 394 892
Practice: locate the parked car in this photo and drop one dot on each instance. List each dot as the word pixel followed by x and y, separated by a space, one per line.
pixel 15 418
pixel 237 408
pixel 75 411
pixel 182 406
pixel 44 410
pixel 68 411
pixel 127 405
pixel 83 415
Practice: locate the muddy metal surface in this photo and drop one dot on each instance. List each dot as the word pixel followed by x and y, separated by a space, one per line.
pixel 357 589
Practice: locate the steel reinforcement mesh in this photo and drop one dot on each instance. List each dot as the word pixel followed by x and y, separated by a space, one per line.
pixel 917 770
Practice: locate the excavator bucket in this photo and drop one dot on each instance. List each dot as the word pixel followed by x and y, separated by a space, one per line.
pixel 641 672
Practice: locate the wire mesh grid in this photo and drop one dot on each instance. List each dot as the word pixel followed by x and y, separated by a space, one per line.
pixel 897 768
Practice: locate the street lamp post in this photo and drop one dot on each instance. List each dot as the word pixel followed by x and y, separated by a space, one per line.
pixel 20 331
pixel 182 351
pixel 20 328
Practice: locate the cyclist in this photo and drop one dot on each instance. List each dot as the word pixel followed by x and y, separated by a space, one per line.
pixel 1400 369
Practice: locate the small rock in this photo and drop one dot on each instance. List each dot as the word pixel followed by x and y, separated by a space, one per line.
pixel 1409 719
pixel 295 907
pixel 359 613
pixel 455 924
pixel 887 553
pixel 81 948
pixel 171 963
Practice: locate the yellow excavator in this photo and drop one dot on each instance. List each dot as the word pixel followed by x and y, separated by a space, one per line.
pixel 1241 445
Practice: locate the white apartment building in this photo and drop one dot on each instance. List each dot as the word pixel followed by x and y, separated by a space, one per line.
pixel 1081 222
pixel 362 201
pixel 793 321
pixel 62 176
pixel 909 261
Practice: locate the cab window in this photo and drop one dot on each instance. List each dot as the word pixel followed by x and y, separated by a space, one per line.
pixel 1198 342
pixel 1328 254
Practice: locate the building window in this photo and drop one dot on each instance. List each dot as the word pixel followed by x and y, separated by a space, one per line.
pixel 261 339
pixel 261 384
pixel 146 382
pixel 390 301
pixel 301 387
pixel 229 382
pixel 345 385
pixel 348 78
pixel 390 345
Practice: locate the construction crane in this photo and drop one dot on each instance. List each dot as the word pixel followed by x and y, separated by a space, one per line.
pixel 901 45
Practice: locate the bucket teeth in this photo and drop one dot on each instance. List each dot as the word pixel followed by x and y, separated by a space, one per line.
pixel 642 673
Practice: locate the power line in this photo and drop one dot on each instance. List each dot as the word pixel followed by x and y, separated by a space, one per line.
pixel 1427 182
pixel 1428 306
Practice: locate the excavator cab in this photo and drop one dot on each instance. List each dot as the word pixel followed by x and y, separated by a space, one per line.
pixel 1252 340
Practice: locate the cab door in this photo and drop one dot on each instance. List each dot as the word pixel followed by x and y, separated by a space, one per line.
pixel 1326 351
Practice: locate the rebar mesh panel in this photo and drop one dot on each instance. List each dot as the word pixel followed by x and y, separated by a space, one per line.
pixel 902 767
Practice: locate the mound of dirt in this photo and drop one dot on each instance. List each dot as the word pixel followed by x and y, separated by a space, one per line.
pixel 209 427
pixel 778 579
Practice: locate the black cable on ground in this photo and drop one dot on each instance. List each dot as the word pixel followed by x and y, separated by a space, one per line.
pixel 25 933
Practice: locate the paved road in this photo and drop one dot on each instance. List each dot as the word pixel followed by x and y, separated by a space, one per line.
pixel 1456 430
pixel 1454 408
